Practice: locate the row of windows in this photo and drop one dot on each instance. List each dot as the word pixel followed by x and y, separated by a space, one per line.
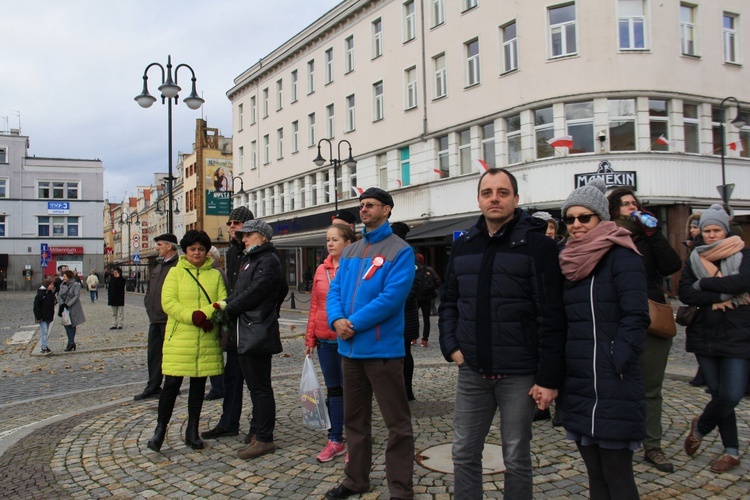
pixel 699 130
pixel 49 190
pixel 632 26
pixel 53 227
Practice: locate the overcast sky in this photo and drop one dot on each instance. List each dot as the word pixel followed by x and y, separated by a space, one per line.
pixel 72 68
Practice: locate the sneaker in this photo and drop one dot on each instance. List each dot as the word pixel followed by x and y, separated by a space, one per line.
pixel 656 457
pixel 725 463
pixel 256 449
pixel 424 343
pixel 46 350
pixel 692 441
pixel 414 342
pixel 331 451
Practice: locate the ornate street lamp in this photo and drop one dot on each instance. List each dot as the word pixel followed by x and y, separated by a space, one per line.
pixel 242 185
pixel 739 121
pixel 169 91
pixel 336 162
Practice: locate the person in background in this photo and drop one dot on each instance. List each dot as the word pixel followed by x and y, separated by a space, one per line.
pixel 411 318
pixel 69 298
pixel 44 311
pixel 116 298
pixel 217 381
pixel 338 237
pixel 59 278
pixel 552 227
pixel 345 217
pixel 716 278
pixel 367 312
pixel 426 284
pixel 166 247
pixel 692 239
pixel 606 304
pixel 659 261
pixel 92 283
pixel 191 348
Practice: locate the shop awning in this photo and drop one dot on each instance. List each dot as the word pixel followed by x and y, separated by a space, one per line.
pixel 312 239
pixel 441 229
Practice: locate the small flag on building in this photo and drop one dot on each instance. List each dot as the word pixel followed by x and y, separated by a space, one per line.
pixel 440 172
pixel 737 146
pixel 397 181
pixel 481 165
pixel 358 190
pixel 565 141
pixel 663 140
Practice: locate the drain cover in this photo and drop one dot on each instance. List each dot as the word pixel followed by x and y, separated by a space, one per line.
pixel 438 459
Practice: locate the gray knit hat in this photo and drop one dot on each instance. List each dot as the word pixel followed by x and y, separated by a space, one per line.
pixel 545 216
pixel 257 226
pixel 715 215
pixel 590 196
pixel 241 214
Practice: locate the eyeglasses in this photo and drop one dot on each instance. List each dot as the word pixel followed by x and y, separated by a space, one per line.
pixel 569 220
pixel 234 223
pixel 369 206
pixel 629 204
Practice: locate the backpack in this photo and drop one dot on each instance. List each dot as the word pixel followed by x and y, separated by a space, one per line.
pixel 425 285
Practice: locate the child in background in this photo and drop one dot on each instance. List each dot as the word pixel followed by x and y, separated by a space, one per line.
pixel 44 310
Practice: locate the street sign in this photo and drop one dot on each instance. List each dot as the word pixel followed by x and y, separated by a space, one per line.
pixel 729 188
pixel 458 234
pixel 44 264
pixel 137 257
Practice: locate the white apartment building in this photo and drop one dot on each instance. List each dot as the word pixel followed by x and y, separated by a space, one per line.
pixel 421 89
pixel 50 214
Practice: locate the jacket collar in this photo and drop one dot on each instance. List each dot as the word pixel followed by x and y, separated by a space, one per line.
pixel 515 230
pixel 378 234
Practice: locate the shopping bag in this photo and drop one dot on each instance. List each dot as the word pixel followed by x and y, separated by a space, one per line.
pixel 65 318
pixel 314 410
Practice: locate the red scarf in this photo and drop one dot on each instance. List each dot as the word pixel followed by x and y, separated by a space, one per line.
pixel 579 257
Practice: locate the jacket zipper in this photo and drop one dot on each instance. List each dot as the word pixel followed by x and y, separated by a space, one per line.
pixel 593 366
pixel 356 289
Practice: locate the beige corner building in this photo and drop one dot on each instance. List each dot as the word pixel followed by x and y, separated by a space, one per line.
pixel 634 91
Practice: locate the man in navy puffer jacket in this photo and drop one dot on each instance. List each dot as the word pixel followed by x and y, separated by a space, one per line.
pixel 502 322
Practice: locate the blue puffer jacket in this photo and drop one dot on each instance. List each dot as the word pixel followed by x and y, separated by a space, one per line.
pixel 372 297
pixel 502 301
pixel 603 395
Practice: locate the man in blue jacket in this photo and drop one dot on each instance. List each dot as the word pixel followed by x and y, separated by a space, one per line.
pixel 365 307
pixel 502 321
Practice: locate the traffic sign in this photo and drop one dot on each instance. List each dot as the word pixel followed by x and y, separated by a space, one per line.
pixel 44 263
pixel 728 187
pixel 137 257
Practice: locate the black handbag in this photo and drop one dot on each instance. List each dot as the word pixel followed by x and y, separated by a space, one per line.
pixel 258 336
pixel 686 315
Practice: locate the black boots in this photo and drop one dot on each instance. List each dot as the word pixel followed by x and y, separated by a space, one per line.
pixel 159 434
pixel 191 435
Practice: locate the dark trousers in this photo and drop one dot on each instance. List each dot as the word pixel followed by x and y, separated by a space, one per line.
pixel 154 355
pixel 257 372
pixel 408 370
pixel 169 393
pixel 425 307
pixel 233 388
pixel 610 473
pixel 384 378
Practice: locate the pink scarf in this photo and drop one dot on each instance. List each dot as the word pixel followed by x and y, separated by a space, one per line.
pixel 579 257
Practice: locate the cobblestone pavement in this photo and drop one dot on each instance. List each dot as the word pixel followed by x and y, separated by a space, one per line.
pixel 70 429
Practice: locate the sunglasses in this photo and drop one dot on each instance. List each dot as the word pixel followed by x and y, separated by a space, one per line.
pixel 234 223
pixel 369 206
pixel 569 220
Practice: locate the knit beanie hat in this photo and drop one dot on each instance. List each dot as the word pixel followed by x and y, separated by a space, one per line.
pixel 590 196
pixel 715 215
pixel 545 216
pixel 257 226
pixel 241 214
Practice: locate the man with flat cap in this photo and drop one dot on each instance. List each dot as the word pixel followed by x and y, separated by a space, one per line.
pixel 365 306
pixel 166 246
pixel 344 217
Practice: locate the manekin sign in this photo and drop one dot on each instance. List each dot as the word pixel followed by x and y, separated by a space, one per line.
pixel 611 178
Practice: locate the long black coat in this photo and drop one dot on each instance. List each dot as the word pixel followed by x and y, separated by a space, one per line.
pixel 116 291
pixel 603 393
pixel 718 333
pixel 44 305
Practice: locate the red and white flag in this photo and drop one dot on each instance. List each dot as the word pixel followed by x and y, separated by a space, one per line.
pixel 565 141
pixel 737 146
pixel 358 190
pixel 481 165
pixel 439 172
pixel 397 181
pixel 663 140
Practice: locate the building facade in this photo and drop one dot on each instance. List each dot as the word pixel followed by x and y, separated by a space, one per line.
pixel 50 214
pixel 634 91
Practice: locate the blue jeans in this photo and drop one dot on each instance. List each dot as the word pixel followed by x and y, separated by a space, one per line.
pixel 330 365
pixel 93 294
pixel 43 329
pixel 477 399
pixel 726 379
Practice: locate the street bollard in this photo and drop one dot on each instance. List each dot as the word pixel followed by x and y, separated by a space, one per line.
pixel 293 305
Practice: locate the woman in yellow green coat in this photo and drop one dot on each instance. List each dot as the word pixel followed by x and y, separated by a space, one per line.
pixel 192 346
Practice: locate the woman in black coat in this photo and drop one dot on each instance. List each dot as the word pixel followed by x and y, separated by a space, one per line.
pixel 659 260
pixel 116 298
pixel 606 306
pixel 716 278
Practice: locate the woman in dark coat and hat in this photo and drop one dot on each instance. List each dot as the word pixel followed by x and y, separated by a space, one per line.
pixel 116 298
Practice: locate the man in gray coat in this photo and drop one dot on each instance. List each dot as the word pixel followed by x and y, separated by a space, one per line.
pixel 166 246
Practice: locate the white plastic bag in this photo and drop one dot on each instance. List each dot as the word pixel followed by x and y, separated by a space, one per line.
pixel 65 318
pixel 314 410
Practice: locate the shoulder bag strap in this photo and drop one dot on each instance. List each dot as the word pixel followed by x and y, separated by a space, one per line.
pixel 199 284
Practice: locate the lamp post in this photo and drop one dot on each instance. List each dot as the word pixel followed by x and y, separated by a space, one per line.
pixel 739 122
pixel 242 185
pixel 336 162
pixel 128 219
pixel 160 208
pixel 169 91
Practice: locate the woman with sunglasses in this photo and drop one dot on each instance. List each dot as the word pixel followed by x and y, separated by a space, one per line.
pixel 716 278
pixel 606 305
pixel 659 261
